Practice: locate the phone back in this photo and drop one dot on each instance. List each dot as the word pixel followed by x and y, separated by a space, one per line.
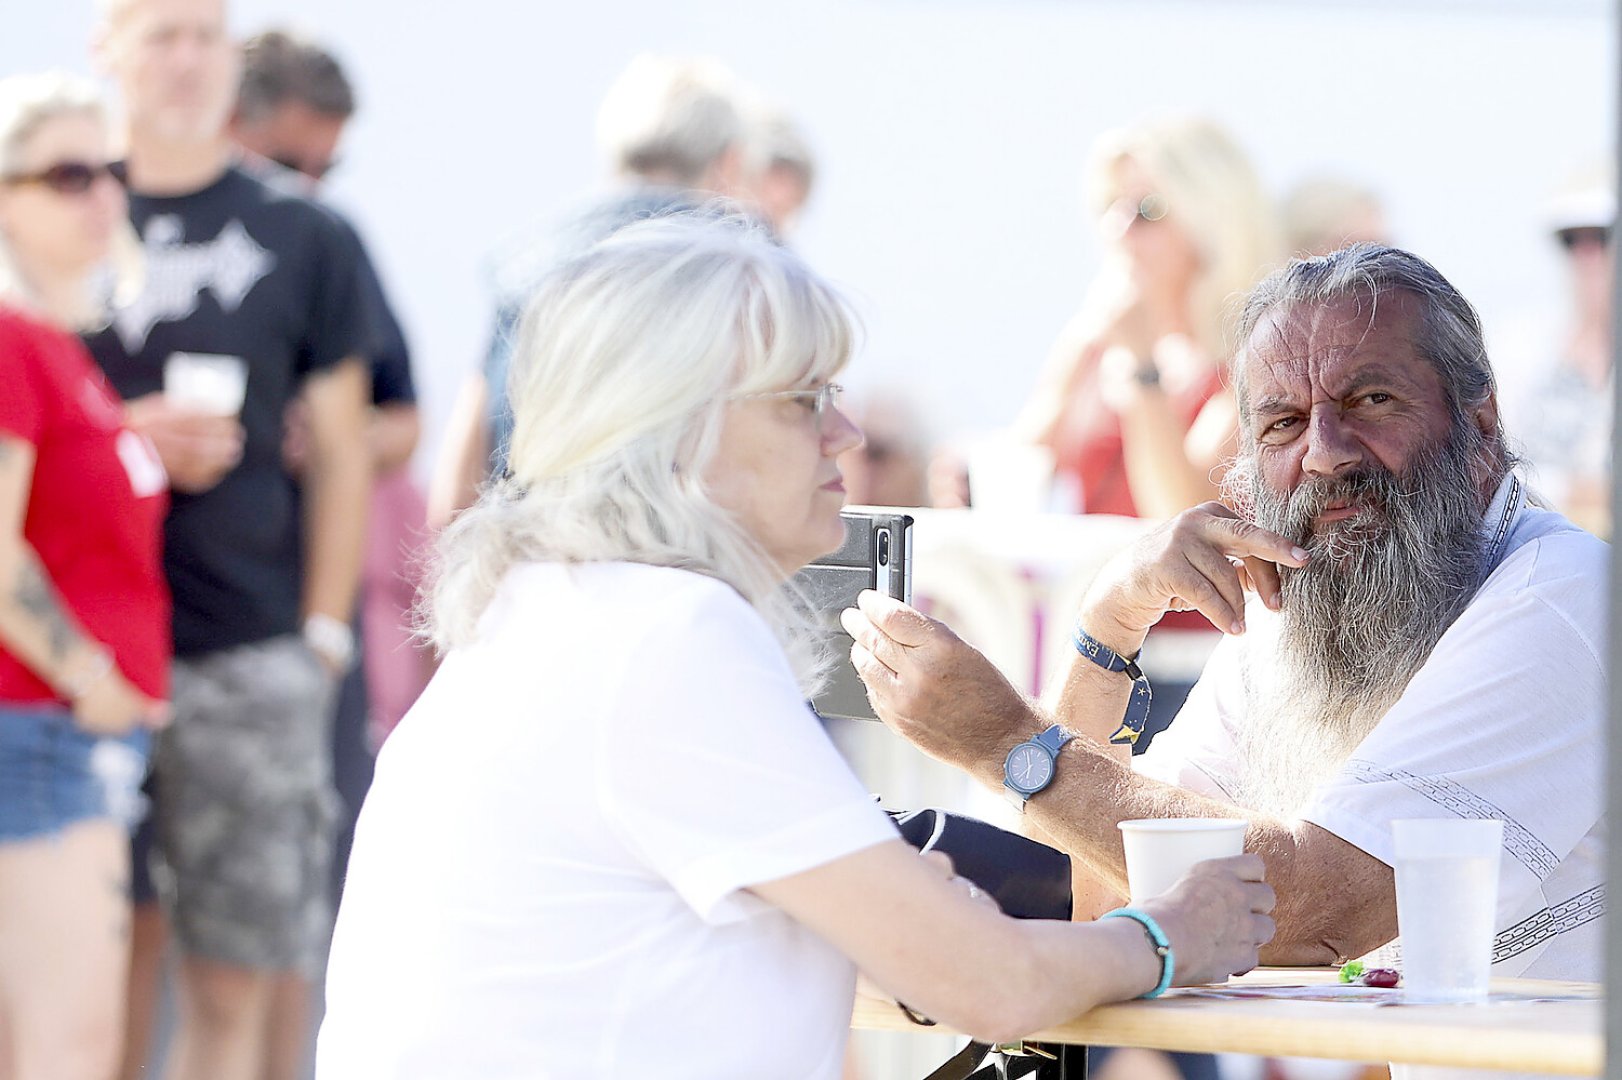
pixel 877 554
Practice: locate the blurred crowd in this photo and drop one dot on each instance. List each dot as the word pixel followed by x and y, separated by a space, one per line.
pixel 211 539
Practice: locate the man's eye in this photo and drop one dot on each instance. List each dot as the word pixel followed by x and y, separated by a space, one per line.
pixel 1283 424
pixel 1377 398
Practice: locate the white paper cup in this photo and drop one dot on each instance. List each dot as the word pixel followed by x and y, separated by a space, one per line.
pixel 1159 851
pixel 1447 903
pixel 209 382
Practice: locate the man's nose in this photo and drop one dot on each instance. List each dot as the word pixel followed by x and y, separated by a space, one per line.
pixel 1331 447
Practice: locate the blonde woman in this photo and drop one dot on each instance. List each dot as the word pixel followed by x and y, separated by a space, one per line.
pixel 84 613
pixel 611 837
pixel 1132 402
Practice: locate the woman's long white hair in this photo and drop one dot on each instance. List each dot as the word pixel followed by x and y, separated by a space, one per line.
pixel 625 362
pixel 27 103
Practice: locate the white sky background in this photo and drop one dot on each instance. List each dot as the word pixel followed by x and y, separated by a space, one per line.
pixel 950 136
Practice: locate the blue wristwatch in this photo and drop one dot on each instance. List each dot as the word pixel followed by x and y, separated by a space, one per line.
pixel 1029 766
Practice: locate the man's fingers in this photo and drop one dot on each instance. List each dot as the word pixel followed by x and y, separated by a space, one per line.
pixel 902 624
pixel 1246 540
pixel 1264 581
pixel 1214 589
pixel 871 639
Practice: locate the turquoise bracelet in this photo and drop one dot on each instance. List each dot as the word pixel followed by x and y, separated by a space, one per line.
pixel 1168 962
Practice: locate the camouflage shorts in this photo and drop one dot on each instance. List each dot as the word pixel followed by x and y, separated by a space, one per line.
pixel 246 809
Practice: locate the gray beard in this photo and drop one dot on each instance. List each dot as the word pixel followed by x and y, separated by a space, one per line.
pixel 1361 618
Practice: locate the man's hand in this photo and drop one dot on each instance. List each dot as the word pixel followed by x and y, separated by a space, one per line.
pixel 933 688
pixel 1202 559
pixel 197 448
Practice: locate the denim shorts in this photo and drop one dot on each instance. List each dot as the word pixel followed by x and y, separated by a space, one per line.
pixel 54 774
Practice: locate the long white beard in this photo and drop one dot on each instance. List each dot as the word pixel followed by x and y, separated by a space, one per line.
pixel 1361 619
pixel 1298 730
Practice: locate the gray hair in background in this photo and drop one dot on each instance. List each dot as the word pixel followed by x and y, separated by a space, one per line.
pixel 624 365
pixel 1450 336
pixel 671 119
pixel 279 66
pixel 778 143
pixel 28 102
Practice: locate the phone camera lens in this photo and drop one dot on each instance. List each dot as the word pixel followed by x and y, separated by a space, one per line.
pixel 884 547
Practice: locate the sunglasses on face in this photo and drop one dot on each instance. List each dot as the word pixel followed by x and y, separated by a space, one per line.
pixel 1571 239
pixel 1152 207
pixel 72 177
pixel 316 171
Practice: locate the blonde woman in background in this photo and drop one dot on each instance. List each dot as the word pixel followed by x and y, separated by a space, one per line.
pixel 84 612
pixel 1132 402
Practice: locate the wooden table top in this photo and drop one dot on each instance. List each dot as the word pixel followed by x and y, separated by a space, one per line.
pixel 1564 1035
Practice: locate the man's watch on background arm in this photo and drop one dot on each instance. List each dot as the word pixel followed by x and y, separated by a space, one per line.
pixel 1030 766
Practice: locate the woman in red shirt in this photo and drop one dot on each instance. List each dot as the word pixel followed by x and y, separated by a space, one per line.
pixel 84 612
pixel 1133 402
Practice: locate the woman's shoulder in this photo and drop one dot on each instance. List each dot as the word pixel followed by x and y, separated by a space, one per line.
pixel 624 593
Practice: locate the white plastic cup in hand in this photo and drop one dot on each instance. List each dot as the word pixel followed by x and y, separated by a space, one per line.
pixel 208 382
pixel 1159 851
pixel 1447 900
pixel 1010 477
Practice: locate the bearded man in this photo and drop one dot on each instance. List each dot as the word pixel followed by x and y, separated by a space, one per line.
pixel 1423 639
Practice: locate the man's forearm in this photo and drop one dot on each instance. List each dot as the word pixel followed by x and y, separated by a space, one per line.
pixel 1334 901
pixel 338 492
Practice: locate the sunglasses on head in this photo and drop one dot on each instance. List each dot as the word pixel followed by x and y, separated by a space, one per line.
pixel 71 177
pixel 1570 239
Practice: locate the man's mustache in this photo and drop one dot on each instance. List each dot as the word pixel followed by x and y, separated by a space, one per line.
pixel 1367 487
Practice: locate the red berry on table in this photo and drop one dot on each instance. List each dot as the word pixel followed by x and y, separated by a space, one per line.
pixel 1386 977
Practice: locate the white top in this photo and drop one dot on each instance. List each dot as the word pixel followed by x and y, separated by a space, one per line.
pixel 1505 720
pixel 549 874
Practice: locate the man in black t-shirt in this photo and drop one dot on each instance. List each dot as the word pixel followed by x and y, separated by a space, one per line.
pixel 240 279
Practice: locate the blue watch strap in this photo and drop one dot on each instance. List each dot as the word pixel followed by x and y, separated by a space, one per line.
pixel 1162 944
pixel 1054 738
pixel 1137 706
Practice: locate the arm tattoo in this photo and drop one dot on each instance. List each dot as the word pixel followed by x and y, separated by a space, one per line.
pixel 35 596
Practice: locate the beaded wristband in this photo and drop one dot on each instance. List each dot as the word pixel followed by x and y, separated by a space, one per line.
pixel 1137 706
pixel 1168 962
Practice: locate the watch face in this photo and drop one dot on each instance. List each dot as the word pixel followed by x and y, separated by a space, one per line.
pixel 1029 768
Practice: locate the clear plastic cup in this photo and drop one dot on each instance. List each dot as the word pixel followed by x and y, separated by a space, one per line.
pixel 1447 903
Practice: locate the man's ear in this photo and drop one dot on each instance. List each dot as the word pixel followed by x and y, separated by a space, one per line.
pixel 1486 417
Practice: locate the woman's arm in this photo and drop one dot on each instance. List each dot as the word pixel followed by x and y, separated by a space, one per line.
pixel 37 628
pixel 918 934
pixel 1170 465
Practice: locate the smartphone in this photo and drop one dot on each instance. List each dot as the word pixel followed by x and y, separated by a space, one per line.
pixel 877 554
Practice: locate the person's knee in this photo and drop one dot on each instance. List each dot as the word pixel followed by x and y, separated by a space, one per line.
pixel 224 998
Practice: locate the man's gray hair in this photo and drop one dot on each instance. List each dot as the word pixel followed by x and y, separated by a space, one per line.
pixel 278 67
pixel 1450 334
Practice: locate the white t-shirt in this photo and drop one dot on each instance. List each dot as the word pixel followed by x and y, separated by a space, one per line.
pixel 1505 720
pixel 549 874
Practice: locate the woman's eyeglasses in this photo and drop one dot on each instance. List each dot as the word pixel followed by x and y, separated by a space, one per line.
pixel 819 401
pixel 71 177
